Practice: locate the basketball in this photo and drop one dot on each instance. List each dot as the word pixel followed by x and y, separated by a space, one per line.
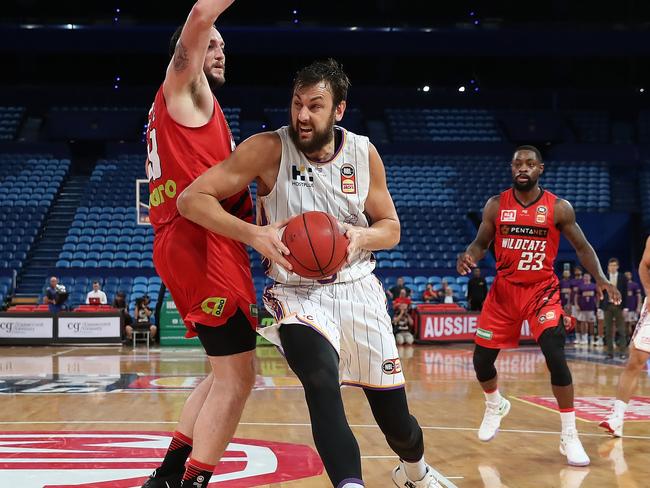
pixel 317 243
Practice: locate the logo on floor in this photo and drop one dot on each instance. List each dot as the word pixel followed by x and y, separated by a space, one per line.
pixel 595 408
pixel 125 460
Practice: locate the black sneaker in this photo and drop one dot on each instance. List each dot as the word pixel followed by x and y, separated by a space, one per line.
pixel 172 481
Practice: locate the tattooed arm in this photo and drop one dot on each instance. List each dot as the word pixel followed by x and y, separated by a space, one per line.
pixel 200 47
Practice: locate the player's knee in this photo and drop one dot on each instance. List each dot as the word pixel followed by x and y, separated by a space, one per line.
pixel 399 339
pixel 407 442
pixel 552 344
pixel 410 339
pixel 484 359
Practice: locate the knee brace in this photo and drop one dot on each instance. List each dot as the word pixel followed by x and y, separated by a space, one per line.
pixel 552 344
pixel 484 359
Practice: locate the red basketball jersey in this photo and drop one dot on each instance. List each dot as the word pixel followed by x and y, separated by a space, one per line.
pixel 527 239
pixel 177 155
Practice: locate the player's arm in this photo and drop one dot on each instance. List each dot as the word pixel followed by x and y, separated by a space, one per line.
pixel 384 231
pixel 254 158
pixel 644 271
pixel 484 237
pixel 565 220
pixel 185 70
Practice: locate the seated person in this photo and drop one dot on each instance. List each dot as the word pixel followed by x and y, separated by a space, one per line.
pixel 449 296
pixel 119 302
pixel 403 325
pixel 430 295
pixel 142 318
pixel 96 296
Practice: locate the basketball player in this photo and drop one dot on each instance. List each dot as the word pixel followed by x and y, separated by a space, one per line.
pixel 587 305
pixel 633 303
pixel 525 223
pixel 639 355
pixel 334 330
pixel 207 275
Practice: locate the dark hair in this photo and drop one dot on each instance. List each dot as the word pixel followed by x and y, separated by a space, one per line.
pixel 95 282
pixel 538 154
pixel 612 260
pixel 329 71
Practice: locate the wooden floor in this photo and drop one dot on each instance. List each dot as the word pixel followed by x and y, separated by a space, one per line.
pixel 45 391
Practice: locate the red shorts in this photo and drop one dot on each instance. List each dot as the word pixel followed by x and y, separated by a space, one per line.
pixel 508 305
pixel 209 276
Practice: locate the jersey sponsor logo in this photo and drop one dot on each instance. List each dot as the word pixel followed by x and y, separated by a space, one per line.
pixel 508 215
pixel 484 334
pixel 126 459
pixel 348 179
pixel 392 366
pixel 524 230
pixel 253 310
pixel 302 176
pixel 213 306
pixel 161 192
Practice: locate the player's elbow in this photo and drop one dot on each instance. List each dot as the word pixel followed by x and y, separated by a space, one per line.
pixel 394 235
pixel 203 13
pixel 184 203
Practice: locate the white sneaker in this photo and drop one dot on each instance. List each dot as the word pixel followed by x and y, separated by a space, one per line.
pixel 599 342
pixel 613 424
pixel 492 419
pixel 400 479
pixel 571 447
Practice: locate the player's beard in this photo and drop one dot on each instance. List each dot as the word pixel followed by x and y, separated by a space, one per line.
pixel 529 185
pixel 215 82
pixel 319 139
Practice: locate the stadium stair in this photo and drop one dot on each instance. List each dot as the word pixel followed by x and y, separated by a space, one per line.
pixel 44 253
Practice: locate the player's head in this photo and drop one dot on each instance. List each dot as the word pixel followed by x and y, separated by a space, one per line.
pixel 214 64
pixel 566 274
pixel 96 286
pixel 53 281
pixel 318 101
pixel 586 278
pixel 628 275
pixel 527 167
pixel 612 265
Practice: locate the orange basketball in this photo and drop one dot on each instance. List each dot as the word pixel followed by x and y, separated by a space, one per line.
pixel 317 244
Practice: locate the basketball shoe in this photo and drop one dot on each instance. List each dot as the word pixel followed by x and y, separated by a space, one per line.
pixel 492 419
pixel 571 447
pixel 613 424
pixel 400 479
pixel 172 481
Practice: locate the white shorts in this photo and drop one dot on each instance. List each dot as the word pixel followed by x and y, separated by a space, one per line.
pixel 631 316
pixel 575 311
pixel 641 336
pixel 586 316
pixel 352 316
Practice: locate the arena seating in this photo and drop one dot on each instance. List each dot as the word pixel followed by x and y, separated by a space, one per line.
pixel 232 115
pixel 104 232
pixel 28 185
pixel 591 126
pixel 10 119
pixel 438 125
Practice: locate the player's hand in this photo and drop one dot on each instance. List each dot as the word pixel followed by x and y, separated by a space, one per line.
pixel 356 235
pixel 465 263
pixel 266 240
pixel 612 292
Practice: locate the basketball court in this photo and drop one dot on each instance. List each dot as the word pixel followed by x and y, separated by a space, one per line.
pixel 100 416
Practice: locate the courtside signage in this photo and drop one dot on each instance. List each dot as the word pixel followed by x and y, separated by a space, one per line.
pixel 26 327
pixel 88 327
pixel 125 460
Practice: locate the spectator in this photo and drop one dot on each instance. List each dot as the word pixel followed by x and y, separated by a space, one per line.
pixel 565 291
pixel 449 296
pixel 403 325
pixel 614 313
pixel 476 290
pixel 442 293
pixel 119 302
pixel 587 303
pixel 575 283
pixel 142 318
pixel 403 298
pixel 96 296
pixel 394 292
pixel 55 296
pixel 633 303
pixel 429 295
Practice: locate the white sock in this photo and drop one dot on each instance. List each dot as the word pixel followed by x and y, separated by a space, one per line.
pixel 493 397
pixel 352 485
pixel 619 408
pixel 568 420
pixel 415 471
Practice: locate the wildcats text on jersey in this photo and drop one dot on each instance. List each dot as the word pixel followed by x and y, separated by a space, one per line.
pixel 523 244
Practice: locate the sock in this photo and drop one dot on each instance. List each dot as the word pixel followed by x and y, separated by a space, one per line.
pixel 177 453
pixel 351 483
pixel 197 474
pixel 568 418
pixel 619 408
pixel 493 396
pixel 415 471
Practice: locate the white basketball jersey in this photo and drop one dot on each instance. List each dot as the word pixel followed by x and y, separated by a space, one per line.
pixel 338 186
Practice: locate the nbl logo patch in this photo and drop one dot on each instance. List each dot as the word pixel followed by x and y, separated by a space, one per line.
pixel 540 216
pixel 392 366
pixel 348 179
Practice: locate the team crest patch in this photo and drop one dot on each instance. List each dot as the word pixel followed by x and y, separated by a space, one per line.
pixel 392 366
pixel 540 216
pixel 484 334
pixel 508 215
pixel 348 179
